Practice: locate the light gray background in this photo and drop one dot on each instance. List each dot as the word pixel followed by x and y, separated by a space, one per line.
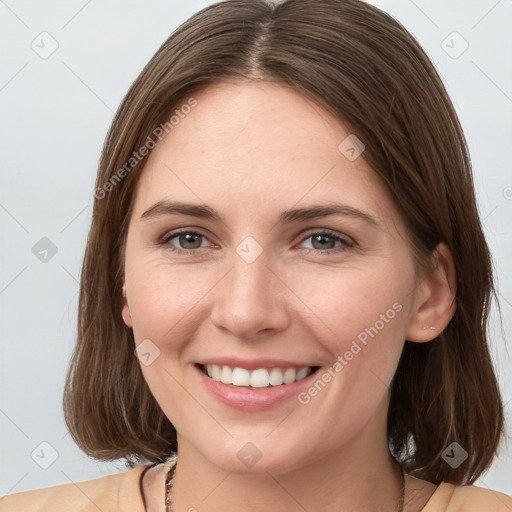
pixel 54 115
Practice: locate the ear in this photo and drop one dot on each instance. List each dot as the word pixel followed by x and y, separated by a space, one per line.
pixel 126 310
pixel 435 304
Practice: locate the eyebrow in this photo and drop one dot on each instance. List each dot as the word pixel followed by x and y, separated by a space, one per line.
pixel 162 208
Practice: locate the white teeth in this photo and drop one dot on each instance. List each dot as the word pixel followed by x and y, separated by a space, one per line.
pixel 289 375
pixel 260 378
pixel 226 375
pixel 239 376
pixel 215 373
pixel 303 372
pixel 276 377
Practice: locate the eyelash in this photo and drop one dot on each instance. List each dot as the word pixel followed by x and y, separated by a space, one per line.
pixel 347 243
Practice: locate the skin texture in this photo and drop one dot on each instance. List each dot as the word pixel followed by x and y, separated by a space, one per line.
pixel 251 151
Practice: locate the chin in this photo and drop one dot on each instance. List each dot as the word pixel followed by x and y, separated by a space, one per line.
pixel 243 457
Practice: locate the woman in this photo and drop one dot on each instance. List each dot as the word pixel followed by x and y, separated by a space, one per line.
pixel 286 281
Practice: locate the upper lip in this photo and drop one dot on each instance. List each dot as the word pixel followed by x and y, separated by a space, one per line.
pixel 252 364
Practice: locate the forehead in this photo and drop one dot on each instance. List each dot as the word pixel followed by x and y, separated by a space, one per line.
pixel 257 149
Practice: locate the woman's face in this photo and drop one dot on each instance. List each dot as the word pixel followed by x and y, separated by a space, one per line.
pixel 262 283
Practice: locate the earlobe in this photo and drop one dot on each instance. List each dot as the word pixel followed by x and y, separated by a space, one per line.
pixel 125 313
pixel 435 299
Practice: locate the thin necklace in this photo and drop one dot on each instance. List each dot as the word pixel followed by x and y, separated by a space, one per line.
pixel 168 486
pixel 401 502
pixel 172 473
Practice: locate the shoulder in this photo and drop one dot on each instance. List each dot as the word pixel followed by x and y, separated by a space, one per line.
pixel 473 498
pixel 467 498
pixel 109 494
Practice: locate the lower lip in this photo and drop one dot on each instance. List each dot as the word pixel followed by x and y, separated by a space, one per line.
pixel 253 399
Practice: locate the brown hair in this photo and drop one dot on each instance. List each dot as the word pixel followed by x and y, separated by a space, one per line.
pixel 365 68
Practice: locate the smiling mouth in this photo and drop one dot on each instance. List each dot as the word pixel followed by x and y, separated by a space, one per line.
pixel 259 378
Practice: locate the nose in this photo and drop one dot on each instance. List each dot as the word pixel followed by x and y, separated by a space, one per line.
pixel 250 299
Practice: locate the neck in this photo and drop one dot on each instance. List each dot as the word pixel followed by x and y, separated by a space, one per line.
pixel 360 476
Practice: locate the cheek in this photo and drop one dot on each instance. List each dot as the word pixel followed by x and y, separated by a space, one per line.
pixel 354 303
pixel 360 317
pixel 164 304
pixel 161 294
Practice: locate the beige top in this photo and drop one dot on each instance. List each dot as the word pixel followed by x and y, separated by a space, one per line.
pixel 122 492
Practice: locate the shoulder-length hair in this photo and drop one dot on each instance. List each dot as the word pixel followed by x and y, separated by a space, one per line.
pixel 365 68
